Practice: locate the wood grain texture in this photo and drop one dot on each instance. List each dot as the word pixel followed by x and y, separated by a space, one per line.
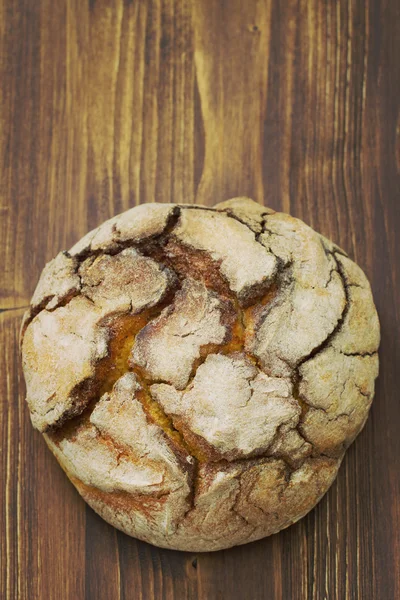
pixel 107 104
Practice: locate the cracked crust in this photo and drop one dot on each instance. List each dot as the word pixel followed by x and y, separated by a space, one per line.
pixel 309 304
pixel 199 373
pixel 233 246
pixel 340 397
pixel 126 282
pixel 246 211
pixel 228 390
pixel 59 280
pixel 137 224
pixel 137 460
pixel 63 349
pixel 168 347
pixel 234 504
pixel 118 451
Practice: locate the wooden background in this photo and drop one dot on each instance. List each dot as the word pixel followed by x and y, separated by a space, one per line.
pixel 105 104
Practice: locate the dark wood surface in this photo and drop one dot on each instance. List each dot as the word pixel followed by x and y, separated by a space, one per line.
pixel 105 104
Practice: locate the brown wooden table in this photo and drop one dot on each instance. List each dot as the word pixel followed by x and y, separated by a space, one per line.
pixel 105 104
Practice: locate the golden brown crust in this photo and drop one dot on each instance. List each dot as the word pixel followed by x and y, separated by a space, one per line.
pixel 198 372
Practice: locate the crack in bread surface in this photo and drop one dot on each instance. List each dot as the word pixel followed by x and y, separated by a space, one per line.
pixel 156 414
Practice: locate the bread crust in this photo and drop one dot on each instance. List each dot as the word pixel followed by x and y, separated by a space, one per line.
pixel 199 373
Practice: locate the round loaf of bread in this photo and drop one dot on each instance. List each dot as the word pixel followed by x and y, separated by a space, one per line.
pixel 199 372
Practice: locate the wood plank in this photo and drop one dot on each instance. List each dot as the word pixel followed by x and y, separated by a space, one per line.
pixel 42 517
pixel 231 55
